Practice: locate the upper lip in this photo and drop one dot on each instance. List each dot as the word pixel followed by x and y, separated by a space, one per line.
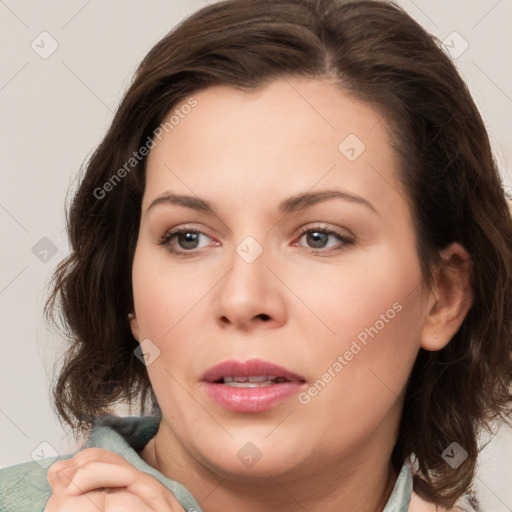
pixel 252 367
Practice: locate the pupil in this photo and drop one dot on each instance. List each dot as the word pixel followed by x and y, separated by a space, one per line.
pixel 317 239
pixel 188 240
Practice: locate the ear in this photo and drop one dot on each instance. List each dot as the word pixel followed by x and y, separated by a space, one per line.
pixel 450 299
pixel 134 325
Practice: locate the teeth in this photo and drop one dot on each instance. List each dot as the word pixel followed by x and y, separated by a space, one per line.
pixel 251 381
pixel 235 384
pixel 260 378
pixel 250 378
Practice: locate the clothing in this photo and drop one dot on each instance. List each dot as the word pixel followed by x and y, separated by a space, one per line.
pixel 24 487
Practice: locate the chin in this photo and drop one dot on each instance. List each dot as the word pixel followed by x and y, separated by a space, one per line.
pixel 259 458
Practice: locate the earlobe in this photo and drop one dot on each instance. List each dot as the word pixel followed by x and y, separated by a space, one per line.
pixel 450 299
pixel 134 325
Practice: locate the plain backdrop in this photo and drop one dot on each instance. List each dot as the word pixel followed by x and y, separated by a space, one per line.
pixel 55 108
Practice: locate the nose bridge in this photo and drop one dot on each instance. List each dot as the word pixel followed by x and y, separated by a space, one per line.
pixel 247 278
pixel 248 291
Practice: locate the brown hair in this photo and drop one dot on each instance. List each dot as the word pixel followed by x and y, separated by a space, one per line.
pixel 377 53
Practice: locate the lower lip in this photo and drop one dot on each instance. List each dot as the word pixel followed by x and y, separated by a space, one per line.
pixel 258 399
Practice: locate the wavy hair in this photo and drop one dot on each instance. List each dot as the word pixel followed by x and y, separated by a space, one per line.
pixel 376 52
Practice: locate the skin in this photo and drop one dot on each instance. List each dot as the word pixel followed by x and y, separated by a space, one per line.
pixel 96 479
pixel 245 153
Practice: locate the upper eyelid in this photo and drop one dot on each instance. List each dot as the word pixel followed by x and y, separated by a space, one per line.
pixel 167 236
pixel 301 230
pixel 171 233
pixel 184 229
pixel 328 229
pixel 187 227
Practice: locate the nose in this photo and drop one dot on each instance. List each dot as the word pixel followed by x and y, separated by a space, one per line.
pixel 250 296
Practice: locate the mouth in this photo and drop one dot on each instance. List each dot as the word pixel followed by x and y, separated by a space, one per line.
pixel 252 381
pixel 250 386
pixel 252 373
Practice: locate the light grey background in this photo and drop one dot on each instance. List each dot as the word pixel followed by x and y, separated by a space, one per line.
pixel 55 110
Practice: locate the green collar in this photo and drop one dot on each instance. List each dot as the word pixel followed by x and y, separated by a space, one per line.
pixel 126 436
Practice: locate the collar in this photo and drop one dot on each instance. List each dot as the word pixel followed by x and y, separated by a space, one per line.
pixel 126 436
pixel 401 494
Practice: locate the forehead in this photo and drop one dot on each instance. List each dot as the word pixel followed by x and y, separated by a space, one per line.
pixel 292 135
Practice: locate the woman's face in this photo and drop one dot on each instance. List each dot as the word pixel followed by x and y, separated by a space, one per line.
pixel 297 250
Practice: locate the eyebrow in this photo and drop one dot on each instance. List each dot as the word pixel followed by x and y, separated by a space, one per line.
pixel 293 204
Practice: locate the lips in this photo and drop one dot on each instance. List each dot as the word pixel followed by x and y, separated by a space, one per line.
pixel 252 381
pixel 252 371
pixel 250 386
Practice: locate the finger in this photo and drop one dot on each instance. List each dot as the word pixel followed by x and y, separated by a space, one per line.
pixel 62 472
pixel 155 498
pixel 96 470
pixel 110 500
pixel 55 474
pixel 95 475
pixel 54 469
pixel 53 478
pixel 98 455
pixel 94 501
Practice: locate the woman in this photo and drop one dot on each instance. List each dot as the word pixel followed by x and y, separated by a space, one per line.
pixel 293 247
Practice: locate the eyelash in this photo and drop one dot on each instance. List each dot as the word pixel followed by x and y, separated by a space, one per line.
pixel 346 241
pixel 166 238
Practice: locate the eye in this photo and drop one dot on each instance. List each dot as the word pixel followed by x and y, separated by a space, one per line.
pixel 319 238
pixel 184 240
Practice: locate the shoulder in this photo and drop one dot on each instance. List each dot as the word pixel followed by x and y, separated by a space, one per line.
pixel 24 487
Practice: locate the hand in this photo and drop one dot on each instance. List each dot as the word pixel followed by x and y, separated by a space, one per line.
pixel 99 480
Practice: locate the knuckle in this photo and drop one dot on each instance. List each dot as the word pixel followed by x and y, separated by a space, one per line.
pixel 93 455
pixel 147 488
pixel 57 466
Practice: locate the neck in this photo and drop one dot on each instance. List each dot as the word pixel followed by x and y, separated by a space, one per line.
pixel 337 484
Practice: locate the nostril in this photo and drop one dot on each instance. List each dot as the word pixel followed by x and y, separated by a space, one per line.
pixel 262 316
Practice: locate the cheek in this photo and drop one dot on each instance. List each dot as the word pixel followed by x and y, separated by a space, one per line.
pixel 360 376
pixel 374 296
pixel 371 316
pixel 169 300
pixel 163 295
